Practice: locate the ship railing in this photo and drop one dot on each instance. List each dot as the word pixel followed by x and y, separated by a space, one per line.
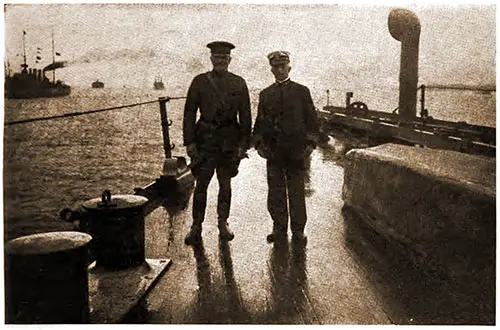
pixel 109 270
pixel 165 122
pixel 444 133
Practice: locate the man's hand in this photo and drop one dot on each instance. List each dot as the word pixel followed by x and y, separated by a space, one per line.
pixel 309 149
pixel 242 153
pixel 192 152
pixel 256 141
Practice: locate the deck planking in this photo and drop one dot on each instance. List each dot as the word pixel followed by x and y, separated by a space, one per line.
pixel 344 274
pixel 249 281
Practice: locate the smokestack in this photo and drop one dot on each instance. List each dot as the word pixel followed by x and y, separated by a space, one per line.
pixel 404 26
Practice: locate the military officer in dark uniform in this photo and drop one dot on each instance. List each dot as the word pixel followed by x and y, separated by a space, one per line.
pixel 285 133
pixel 219 139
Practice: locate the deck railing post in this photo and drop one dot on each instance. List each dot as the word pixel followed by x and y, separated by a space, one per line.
pixel 164 126
pixel 348 97
pixel 423 112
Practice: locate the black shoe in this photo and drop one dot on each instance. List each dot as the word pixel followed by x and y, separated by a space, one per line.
pixel 299 237
pixel 225 232
pixel 194 236
pixel 276 237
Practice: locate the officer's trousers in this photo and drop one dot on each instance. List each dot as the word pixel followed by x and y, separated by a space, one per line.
pixel 204 174
pixel 286 193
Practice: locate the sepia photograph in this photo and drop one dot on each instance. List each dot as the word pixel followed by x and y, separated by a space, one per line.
pixel 249 163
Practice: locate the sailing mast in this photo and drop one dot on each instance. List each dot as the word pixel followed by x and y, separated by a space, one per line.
pixel 24 65
pixel 53 60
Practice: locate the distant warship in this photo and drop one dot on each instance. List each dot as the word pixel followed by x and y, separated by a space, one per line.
pixel 32 83
pixel 97 84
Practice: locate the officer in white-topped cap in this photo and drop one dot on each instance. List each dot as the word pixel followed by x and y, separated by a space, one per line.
pixel 285 133
pixel 219 139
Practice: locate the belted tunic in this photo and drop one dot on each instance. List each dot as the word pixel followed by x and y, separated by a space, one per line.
pixel 222 100
pixel 224 126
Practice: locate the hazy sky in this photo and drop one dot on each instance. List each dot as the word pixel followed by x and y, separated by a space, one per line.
pixel 330 45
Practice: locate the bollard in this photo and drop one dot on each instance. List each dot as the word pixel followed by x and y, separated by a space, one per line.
pixel 46 279
pixel 116 224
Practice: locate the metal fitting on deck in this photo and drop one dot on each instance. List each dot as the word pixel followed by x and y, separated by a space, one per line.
pixel 46 278
pixel 348 97
pixel 117 225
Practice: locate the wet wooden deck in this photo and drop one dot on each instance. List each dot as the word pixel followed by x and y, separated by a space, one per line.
pixel 343 275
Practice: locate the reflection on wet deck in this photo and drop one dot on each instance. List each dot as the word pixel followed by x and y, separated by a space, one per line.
pixel 342 275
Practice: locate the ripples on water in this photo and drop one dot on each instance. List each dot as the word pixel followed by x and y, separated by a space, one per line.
pixel 50 165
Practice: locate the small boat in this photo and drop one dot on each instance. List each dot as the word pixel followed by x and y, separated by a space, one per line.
pixel 158 83
pixel 97 84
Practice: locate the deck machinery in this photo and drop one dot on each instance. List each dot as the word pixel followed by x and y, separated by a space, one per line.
pixel 404 125
pixel 422 130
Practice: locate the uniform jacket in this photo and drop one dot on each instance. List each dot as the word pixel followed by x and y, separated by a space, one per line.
pixel 228 105
pixel 286 121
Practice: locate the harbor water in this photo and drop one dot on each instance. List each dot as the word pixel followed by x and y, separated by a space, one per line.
pixel 50 165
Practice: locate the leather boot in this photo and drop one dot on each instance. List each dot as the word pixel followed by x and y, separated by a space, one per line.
pixel 299 237
pixel 224 231
pixel 194 235
pixel 277 237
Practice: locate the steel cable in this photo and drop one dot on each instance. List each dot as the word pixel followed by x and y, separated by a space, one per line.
pixel 80 113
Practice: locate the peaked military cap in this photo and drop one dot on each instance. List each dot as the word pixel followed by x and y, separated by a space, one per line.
pixel 278 57
pixel 220 47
